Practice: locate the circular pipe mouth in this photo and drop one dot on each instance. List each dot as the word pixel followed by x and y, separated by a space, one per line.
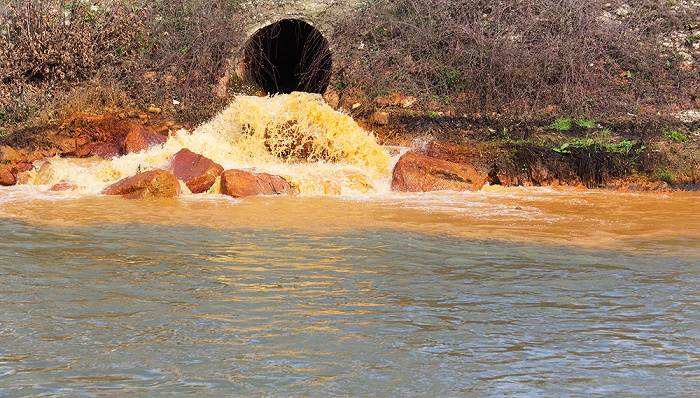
pixel 286 56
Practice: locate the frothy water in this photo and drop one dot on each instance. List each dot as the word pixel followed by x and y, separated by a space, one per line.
pixel 297 136
pixel 364 292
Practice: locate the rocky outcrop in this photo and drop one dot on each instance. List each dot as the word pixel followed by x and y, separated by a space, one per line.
pixel 196 171
pixel 239 183
pixel 150 184
pixel 8 154
pixel 105 150
pixel 139 140
pixel 7 175
pixel 419 173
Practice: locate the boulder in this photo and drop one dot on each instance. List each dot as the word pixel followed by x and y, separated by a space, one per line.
pixel 139 140
pixel 196 171
pixel 23 166
pixel 63 185
pixel 239 183
pixel 8 154
pixel 380 118
pixel 7 175
pixel 67 146
pixel 105 150
pixel 420 173
pixel 149 184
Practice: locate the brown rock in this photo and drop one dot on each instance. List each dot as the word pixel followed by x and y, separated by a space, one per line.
pixel 105 150
pixel 419 173
pixel 7 175
pixel 139 140
pixel 239 183
pixel 84 151
pixel 63 185
pixel 332 97
pixel 150 184
pixel 9 154
pixel 380 118
pixel 279 185
pixel 23 166
pixel 82 141
pixel 67 146
pixel 196 171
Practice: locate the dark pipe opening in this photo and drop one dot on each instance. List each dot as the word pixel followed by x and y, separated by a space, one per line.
pixel 289 55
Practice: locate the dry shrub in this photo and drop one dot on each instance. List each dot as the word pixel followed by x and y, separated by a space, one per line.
pixel 54 41
pixel 187 46
pixel 47 46
pixel 587 57
pixel 515 55
pixel 53 52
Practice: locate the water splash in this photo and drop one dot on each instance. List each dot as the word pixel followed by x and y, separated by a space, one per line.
pixel 297 136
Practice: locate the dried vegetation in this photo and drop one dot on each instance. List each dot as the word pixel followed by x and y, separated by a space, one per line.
pixel 628 64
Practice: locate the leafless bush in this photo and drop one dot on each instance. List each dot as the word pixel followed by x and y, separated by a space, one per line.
pixel 187 45
pixel 585 56
pixel 157 51
pixel 46 46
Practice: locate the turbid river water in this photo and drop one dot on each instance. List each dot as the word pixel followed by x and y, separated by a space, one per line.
pixel 505 291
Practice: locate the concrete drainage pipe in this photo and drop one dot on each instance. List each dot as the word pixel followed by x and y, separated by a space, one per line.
pixel 288 55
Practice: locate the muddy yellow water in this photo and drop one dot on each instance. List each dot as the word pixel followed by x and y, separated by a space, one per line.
pixel 570 217
pixel 501 292
pixel 345 290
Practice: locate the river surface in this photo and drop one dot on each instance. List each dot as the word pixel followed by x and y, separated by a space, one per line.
pixel 512 291
pixel 347 289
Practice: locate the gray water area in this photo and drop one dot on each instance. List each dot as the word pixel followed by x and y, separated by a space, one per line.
pixel 141 310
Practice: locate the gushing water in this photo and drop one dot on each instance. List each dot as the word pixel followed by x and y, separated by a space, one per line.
pixel 504 291
pixel 297 136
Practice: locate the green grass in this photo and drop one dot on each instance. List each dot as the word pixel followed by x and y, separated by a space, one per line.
pixel 599 143
pixel 664 175
pixel 508 138
pixel 587 123
pixel 675 136
pixel 566 147
pixel 564 124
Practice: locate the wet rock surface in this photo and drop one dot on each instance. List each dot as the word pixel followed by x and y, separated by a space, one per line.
pixel 150 184
pixel 7 175
pixel 419 173
pixel 239 183
pixel 196 171
pixel 140 140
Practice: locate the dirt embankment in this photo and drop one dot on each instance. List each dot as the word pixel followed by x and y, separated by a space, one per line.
pixel 629 154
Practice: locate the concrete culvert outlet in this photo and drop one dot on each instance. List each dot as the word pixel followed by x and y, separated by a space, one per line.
pixel 288 55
